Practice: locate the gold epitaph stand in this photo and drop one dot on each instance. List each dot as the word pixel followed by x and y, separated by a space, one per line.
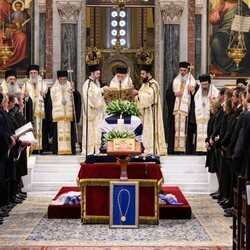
pixel 123 149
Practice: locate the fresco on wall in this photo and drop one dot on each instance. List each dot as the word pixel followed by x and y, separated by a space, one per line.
pixel 220 18
pixel 15 35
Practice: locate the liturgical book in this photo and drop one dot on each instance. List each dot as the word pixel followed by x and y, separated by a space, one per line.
pixel 24 129
pixel 115 94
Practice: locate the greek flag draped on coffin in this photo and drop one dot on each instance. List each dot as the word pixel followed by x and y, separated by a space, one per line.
pixel 132 123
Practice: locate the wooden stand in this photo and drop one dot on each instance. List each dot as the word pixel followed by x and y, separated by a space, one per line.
pixel 123 156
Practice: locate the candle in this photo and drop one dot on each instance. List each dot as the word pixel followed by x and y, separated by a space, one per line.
pixel 120 124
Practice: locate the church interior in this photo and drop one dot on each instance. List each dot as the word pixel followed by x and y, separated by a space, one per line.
pixel 179 178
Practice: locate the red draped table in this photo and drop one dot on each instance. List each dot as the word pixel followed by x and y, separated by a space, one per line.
pixel 94 181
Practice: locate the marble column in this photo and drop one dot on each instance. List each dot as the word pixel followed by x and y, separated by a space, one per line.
pixel 191 32
pixel 171 13
pixel 42 39
pixel 69 13
pixel 49 39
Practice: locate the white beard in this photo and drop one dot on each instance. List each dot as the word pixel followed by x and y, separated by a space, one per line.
pixel 184 78
pixel 63 86
pixel 34 80
pixel 12 89
pixel 204 92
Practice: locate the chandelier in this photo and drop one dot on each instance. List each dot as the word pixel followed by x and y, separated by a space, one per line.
pixel 119 6
pixel 237 47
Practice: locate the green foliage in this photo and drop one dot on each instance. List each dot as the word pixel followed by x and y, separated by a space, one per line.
pixel 125 108
pixel 119 134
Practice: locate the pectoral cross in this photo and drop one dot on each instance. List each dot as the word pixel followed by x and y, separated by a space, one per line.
pixel 191 67
pixel 42 71
pixel 212 76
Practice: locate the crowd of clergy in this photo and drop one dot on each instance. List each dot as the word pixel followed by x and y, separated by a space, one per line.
pixel 201 119
pixel 214 122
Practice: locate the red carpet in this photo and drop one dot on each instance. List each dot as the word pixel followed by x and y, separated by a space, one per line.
pixel 166 211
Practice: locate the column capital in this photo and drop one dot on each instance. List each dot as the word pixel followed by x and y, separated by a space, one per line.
pixel 171 11
pixel 68 11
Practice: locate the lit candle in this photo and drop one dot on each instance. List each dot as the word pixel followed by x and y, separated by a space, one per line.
pixel 120 123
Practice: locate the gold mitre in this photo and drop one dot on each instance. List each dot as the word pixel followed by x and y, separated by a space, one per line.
pixel 93 56
pixel 144 56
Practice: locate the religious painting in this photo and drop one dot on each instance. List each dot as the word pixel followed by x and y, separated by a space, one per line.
pixel 228 47
pixel 15 35
pixel 124 206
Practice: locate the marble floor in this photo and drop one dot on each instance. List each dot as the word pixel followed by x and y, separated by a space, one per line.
pixel 27 227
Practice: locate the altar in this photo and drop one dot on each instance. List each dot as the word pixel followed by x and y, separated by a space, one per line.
pixel 94 180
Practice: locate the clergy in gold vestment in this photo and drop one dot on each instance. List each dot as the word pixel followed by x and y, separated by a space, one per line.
pixel 153 135
pixel 62 115
pixel 121 80
pixel 93 112
pixel 10 85
pixel 183 87
pixel 202 98
pixel 35 90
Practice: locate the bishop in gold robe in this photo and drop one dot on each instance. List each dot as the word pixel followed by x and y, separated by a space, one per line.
pixel 183 88
pixel 153 136
pixel 207 91
pixel 93 112
pixel 121 80
pixel 9 84
pixel 63 97
pixel 35 90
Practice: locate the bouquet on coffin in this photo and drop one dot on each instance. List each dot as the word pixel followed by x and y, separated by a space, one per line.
pixel 25 133
pixel 123 108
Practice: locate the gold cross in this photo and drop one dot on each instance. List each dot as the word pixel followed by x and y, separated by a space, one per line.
pixel 42 71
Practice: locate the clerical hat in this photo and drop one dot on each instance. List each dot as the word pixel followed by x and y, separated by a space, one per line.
pixel 205 78
pixel 33 67
pixel 62 73
pixel 121 70
pixel 147 67
pixel 184 65
pixel 93 68
pixel 241 80
pixel 10 72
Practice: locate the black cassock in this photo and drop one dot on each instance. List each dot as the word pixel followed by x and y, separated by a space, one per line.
pixel 18 121
pixel 8 167
pixel 5 142
pixel 211 152
pixel 191 129
pixel 52 126
pixel 246 144
pixel 46 126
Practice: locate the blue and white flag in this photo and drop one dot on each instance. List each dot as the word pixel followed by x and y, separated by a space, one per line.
pixel 68 198
pixel 132 123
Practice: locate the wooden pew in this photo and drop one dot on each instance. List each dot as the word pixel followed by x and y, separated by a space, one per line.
pixel 245 223
pixel 236 211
